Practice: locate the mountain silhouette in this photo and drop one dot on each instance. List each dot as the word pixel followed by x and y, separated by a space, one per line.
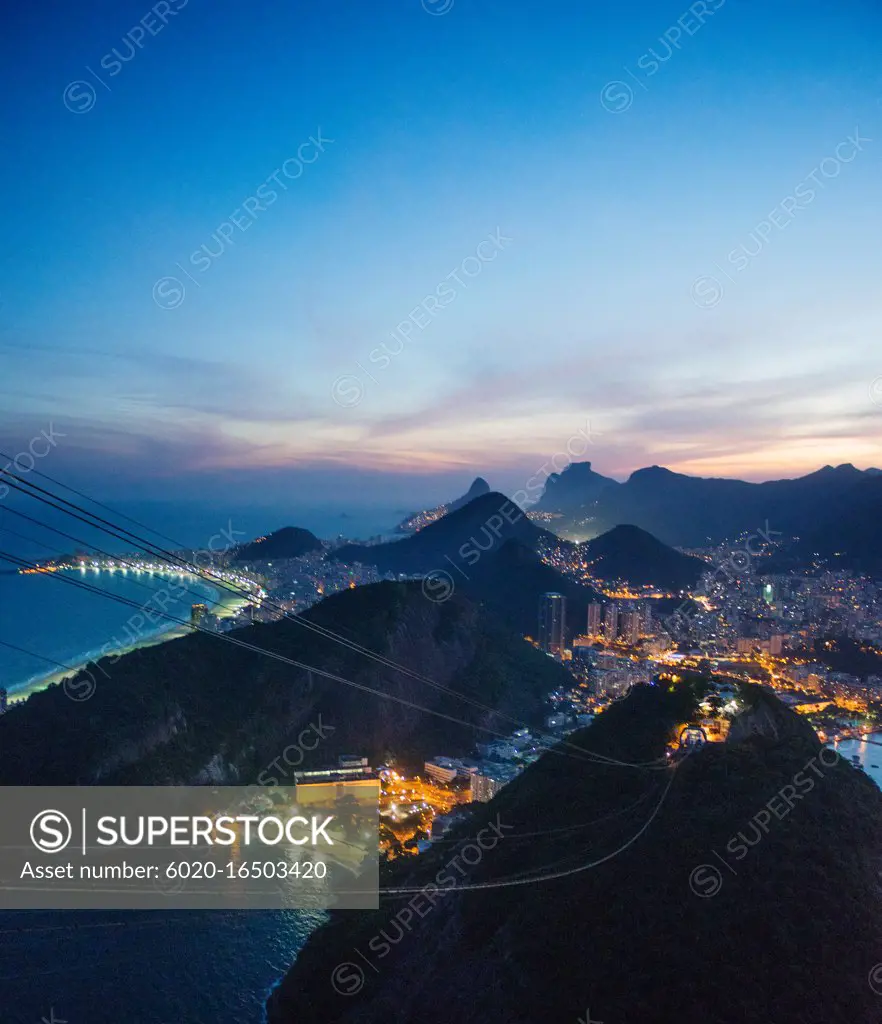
pixel 454 543
pixel 691 511
pixel 289 542
pixel 634 556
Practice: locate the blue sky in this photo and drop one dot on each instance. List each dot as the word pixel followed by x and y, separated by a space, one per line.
pixel 690 267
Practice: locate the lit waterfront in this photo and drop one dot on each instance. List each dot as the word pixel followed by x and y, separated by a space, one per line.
pixel 70 626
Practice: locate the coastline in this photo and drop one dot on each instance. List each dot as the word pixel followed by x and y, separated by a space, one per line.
pixel 222 605
pixel 869 752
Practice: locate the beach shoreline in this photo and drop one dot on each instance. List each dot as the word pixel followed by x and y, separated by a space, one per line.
pixel 223 605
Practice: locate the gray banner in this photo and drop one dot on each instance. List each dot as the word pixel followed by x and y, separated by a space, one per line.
pixel 189 848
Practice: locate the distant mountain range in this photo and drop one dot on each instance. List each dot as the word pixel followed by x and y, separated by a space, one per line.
pixel 687 511
pixel 417 520
pixel 488 550
pixel 833 514
pixel 289 542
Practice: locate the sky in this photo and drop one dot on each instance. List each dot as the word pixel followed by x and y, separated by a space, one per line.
pixel 362 253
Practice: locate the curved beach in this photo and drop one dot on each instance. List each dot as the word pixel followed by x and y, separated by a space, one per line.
pixel 221 602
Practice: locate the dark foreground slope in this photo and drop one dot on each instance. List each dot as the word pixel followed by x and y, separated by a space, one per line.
pixel 653 908
pixel 199 709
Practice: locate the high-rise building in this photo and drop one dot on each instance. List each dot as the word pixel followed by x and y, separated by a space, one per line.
pixel 631 629
pixel 594 613
pixel 611 622
pixel 647 619
pixel 552 623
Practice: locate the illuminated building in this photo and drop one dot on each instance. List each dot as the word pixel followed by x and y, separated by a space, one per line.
pixel 197 613
pixel 489 779
pixel 611 622
pixel 594 614
pixel 632 627
pixel 329 784
pixel 445 769
pixel 365 791
pixel 552 623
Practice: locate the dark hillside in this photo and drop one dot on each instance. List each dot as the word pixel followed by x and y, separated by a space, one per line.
pixel 694 895
pixel 199 709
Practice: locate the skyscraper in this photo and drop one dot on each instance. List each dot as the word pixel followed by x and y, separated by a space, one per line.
pixel 632 627
pixel 552 623
pixel 594 613
pixel 611 622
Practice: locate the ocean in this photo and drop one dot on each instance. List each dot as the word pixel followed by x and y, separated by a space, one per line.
pixel 192 525
pixel 47 616
pixel 145 967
